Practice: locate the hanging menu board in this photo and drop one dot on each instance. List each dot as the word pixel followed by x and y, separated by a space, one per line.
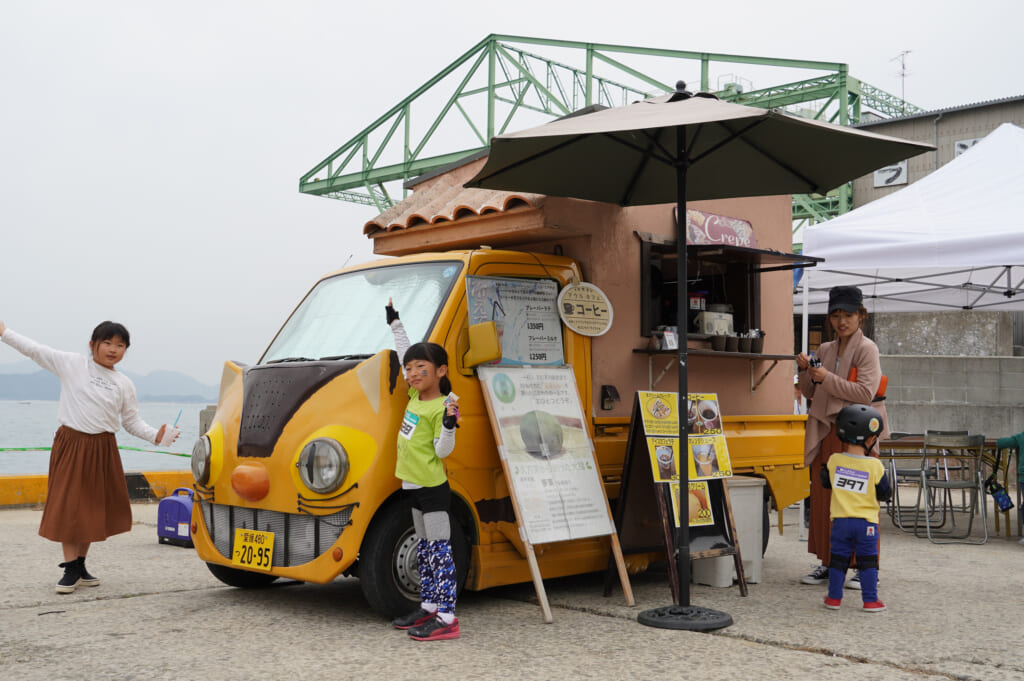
pixel 525 313
pixel 547 451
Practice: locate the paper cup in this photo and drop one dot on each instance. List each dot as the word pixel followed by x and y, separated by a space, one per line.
pixel 170 433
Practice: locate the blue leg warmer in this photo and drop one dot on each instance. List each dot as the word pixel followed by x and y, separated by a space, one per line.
pixel 442 566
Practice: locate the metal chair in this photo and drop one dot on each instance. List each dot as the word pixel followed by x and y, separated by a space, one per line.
pixel 898 512
pixel 935 501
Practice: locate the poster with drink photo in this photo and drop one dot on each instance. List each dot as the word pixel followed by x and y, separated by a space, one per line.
pixel 697 502
pixel 664 453
pixel 703 414
pixel 709 457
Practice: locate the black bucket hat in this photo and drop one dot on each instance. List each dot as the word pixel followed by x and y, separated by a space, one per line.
pixel 846 298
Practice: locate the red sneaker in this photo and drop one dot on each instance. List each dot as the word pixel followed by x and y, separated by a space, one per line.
pixel 435 630
pixel 874 606
pixel 833 603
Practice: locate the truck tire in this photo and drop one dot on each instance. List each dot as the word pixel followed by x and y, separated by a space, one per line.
pixel 243 579
pixel 387 569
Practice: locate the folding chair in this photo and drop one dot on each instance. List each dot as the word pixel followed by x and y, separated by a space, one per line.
pixel 935 494
pixel 899 512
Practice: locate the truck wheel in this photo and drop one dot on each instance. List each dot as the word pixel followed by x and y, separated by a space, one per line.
pixel 388 572
pixel 243 579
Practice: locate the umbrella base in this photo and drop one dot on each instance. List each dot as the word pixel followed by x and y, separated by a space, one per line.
pixel 690 618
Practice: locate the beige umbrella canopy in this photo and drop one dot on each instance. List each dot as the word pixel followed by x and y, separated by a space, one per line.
pixel 670 149
pixel 629 155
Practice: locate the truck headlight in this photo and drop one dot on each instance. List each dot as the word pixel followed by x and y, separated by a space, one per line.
pixel 323 465
pixel 201 460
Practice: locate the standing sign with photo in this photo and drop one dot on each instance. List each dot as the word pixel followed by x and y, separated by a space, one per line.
pixel 548 460
pixel 547 449
pixel 707 453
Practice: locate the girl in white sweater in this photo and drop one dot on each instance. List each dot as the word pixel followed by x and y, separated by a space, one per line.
pixel 86 494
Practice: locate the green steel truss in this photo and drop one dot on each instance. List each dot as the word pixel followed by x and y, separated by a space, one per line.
pixel 503 83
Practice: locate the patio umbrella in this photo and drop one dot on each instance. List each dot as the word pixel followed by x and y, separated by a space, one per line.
pixel 670 149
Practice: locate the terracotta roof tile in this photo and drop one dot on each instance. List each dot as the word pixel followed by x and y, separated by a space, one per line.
pixel 444 199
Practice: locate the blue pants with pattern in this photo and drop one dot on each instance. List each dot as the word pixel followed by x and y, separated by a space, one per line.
pixel 854 536
pixel 437 573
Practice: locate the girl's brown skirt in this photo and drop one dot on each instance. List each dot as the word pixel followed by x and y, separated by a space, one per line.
pixel 86 494
pixel 819 528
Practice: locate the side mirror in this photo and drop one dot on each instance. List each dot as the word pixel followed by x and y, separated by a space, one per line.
pixel 481 345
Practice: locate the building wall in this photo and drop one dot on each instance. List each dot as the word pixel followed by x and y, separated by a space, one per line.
pixel 610 258
pixel 970 333
pixel 949 370
pixel 984 395
pixel 943 129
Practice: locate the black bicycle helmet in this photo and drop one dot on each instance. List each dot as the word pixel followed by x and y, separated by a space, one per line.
pixel 857 423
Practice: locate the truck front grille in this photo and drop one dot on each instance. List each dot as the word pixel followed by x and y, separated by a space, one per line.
pixel 298 537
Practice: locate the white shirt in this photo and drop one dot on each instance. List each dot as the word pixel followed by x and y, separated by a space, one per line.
pixel 93 398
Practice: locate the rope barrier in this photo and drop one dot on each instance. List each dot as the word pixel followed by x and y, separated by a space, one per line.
pixel 129 449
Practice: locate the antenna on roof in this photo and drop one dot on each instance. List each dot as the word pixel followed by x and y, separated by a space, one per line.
pixel 902 73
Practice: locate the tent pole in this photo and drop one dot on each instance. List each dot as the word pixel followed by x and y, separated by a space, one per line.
pixel 804 315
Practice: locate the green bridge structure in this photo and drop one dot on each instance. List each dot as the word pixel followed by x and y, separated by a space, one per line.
pixel 507 83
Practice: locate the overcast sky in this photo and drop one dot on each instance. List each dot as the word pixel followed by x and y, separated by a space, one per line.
pixel 152 150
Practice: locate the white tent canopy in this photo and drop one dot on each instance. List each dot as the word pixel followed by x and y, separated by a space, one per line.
pixel 952 240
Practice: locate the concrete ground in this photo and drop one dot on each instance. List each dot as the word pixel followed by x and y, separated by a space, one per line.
pixel 955 612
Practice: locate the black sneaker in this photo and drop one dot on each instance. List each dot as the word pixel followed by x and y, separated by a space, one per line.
pixel 413 619
pixel 435 629
pixel 71 578
pixel 87 579
pixel 819 575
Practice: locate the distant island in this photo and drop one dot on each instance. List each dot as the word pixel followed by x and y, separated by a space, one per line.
pixel 159 386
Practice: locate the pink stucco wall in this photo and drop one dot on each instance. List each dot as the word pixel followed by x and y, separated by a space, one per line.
pixel 610 258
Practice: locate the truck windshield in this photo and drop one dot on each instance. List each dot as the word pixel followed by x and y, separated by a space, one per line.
pixel 343 316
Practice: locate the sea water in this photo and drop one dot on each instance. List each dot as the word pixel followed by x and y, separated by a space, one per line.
pixel 32 424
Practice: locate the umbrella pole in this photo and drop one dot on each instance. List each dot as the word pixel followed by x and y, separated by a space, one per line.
pixel 683 615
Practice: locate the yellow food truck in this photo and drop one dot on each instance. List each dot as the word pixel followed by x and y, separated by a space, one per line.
pixel 294 478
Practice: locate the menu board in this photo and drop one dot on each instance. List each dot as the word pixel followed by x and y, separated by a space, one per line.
pixel 698 504
pixel 707 454
pixel 547 451
pixel 525 313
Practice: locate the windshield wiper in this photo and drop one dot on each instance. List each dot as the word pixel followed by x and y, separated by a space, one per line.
pixel 290 359
pixel 357 356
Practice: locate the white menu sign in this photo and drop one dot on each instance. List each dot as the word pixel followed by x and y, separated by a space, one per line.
pixel 547 451
pixel 525 312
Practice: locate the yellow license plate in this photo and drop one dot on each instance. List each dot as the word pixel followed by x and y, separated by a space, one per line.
pixel 254 550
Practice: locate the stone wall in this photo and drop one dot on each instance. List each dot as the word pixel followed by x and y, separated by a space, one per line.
pixel 970 333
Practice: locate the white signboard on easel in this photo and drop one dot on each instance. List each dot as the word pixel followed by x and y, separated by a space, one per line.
pixel 548 460
pixel 550 457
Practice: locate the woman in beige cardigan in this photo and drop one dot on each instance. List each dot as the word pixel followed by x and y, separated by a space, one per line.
pixel 829 387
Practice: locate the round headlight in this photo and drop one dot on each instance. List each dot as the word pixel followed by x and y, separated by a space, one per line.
pixel 201 460
pixel 323 465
